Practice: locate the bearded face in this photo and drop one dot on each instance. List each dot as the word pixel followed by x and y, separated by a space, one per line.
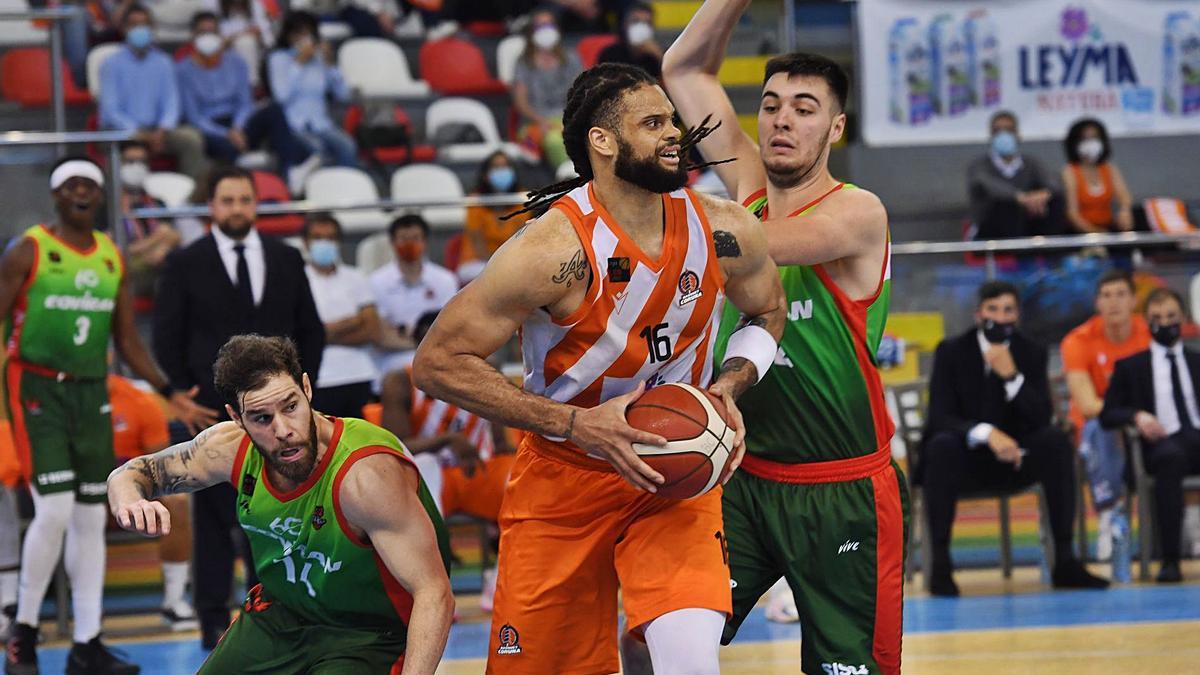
pixel 650 172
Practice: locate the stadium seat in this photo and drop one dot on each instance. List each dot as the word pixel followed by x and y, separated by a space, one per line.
pixel 410 26
pixel 377 68
pixel 508 52
pixel 25 78
pixel 170 188
pixel 343 186
pixel 431 181
pixel 272 190
pixel 20 32
pixel 447 112
pixel 334 31
pixel 589 48
pixel 373 252
pixel 96 58
pixel 399 154
pixel 486 29
pixel 455 66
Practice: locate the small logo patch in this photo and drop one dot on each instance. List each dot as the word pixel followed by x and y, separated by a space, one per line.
pixel 55 257
pixel 318 518
pixel 689 287
pixel 836 668
pixel 847 547
pixel 33 407
pixel 248 483
pixel 618 270
pixel 509 640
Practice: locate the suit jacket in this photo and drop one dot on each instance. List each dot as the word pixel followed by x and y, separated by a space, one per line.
pixel 961 395
pixel 1132 388
pixel 197 310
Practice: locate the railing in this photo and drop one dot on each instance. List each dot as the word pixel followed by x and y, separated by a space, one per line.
pixel 55 15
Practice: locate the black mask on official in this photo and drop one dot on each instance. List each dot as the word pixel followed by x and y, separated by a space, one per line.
pixel 1165 334
pixel 996 332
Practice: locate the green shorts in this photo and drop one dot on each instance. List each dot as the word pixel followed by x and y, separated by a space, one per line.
pixel 63 432
pixel 840 546
pixel 269 638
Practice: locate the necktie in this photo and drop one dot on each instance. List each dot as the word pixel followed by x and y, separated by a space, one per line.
pixel 1185 420
pixel 243 276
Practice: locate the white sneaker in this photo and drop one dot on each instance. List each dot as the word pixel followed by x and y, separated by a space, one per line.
pixel 781 606
pixel 1104 543
pixel 1191 529
pixel 181 617
pixel 299 173
pixel 487 595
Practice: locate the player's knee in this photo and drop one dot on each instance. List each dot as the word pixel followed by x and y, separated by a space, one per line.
pixel 52 513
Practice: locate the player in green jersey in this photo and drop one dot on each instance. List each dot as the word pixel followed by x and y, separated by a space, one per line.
pixel 818 500
pixel 346 540
pixel 64 293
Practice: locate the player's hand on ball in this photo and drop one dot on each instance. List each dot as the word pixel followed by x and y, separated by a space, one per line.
pixel 604 432
pixel 144 516
pixel 735 421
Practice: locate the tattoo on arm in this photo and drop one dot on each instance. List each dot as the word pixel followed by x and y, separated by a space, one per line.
pixel 726 244
pixel 171 471
pixel 574 270
pixel 745 369
pixel 760 321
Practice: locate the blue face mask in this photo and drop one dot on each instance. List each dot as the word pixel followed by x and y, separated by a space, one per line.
pixel 139 37
pixel 502 178
pixel 323 252
pixel 1004 143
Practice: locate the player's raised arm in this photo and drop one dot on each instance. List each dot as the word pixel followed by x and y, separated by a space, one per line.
pixel 690 74
pixel 186 467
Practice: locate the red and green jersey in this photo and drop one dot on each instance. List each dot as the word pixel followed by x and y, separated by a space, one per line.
pixel 822 399
pixel 305 553
pixel 62 318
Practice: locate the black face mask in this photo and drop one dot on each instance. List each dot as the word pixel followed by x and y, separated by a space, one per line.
pixel 1165 335
pixel 998 333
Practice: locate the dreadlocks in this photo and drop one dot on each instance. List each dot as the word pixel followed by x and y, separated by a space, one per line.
pixel 595 100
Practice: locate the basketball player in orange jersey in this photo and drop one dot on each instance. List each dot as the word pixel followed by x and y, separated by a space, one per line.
pixel 619 286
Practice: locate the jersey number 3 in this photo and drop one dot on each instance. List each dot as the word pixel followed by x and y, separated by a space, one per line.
pixel 82 326
pixel 657 344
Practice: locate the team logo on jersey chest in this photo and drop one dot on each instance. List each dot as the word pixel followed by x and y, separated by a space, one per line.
pixel 55 257
pixel 618 270
pixel 318 517
pixel 689 287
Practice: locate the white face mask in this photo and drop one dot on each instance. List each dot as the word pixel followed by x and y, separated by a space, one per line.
pixel 133 175
pixel 546 37
pixel 639 33
pixel 208 44
pixel 1090 149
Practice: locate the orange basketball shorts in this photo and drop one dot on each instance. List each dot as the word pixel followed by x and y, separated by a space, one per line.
pixel 573 532
pixel 480 494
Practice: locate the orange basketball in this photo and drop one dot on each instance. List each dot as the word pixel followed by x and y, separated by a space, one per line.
pixel 699 439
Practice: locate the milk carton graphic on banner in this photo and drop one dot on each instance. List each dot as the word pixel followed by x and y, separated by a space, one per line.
pixel 911 99
pixel 1181 61
pixel 983 59
pixel 948 57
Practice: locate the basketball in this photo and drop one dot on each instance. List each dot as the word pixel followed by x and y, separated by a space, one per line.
pixel 699 439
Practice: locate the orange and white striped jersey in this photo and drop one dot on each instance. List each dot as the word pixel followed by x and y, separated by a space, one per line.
pixel 431 417
pixel 642 320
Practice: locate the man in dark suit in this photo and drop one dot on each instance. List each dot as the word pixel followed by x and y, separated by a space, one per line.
pixel 989 427
pixel 233 281
pixel 1155 392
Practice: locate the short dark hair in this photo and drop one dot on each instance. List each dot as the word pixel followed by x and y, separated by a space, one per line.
pixel 1162 294
pixel 202 16
pixel 136 8
pixel 636 6
pixel 246 362
pixel 228 172
pixel 293 21
pixel 1113 276
pixel 408 220
pixel 815 65
pixel 133 143
pixel 995 289
pixel 1003 114
pixel 320 217
pixel 1075 134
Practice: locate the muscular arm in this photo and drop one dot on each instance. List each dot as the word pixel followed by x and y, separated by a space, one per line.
pixel 1083 394
pixel 401 533
pixel 15 266
pixel 396 396
pixel 690 73
pixel 847 224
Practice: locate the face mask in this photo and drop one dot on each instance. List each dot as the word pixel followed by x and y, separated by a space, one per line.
pixel 1004 143
pixel 410 251
pixel 546 37
pixel 502 178
pixel 1166 335
pixel 639 32
pixel 139 37
pixel 323 252
pixel 133 174
pixel 998 333
pixel 208 44
pixel 1090 149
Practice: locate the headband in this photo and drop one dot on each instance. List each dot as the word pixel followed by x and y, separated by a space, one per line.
pixel 80 168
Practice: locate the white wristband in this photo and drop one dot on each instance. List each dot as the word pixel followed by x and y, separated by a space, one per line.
pixel 754 344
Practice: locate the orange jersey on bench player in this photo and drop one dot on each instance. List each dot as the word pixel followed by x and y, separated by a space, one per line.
pixel 573 530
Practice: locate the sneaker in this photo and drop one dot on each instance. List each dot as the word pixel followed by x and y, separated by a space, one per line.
pixel 1104 542
pixel 781 607
pixel 299 173
pixel 21 656
pixel 487 596
pixel 181 617
pixel 95 658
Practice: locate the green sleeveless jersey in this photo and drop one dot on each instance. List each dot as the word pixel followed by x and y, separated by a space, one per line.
pixel 305 554
pixel 63 316
pixel 822 399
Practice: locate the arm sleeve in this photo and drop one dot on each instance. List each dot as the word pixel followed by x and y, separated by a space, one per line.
pixel 363 295
pixel 111 114
pixel 244 107
pixel 170 93
pixel 310 332
pixel 1013 389
pixel 1119 409
pixel 283 72
pixel 979 434
pixel 192 113
pixel 1074 354
pixel 944 411
pixel 985 185
pixel 171 324
pixel 337 84
pixel 1033 399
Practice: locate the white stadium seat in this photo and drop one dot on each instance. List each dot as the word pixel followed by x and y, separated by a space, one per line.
pixel 170 188
pixel 508 52
pixel 430 181
pixel 20 31
pixel 343 186
pixel 459 110
pixel 377 68
pixel 373 252
pixel 96 58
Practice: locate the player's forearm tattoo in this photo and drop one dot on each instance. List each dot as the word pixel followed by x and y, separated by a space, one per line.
pixel 570 426
pixel 760 321
pixel 745 372
pixel 574 270
pixel 170 471
pixel 726 244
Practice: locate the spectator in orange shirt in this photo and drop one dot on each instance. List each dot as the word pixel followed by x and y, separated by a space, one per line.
pixel 140 428
pixel 1092 183
pixel 485 231
pixel 1089 353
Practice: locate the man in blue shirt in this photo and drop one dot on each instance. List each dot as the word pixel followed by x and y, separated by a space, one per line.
pixel 214 88
pixel 138 93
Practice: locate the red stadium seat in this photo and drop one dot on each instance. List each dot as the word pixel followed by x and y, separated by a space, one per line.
pixel 589 48
pixel 487 29
pixel 453 253
pixel 420 152
pixel 25 79
pixel 272 189
pixel 455 66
